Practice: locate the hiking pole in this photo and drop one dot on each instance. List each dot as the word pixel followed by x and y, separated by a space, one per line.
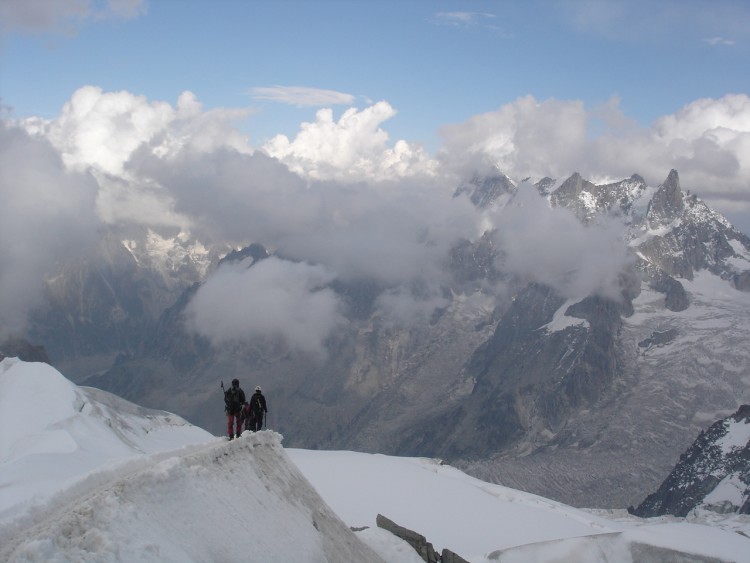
pixel 225 393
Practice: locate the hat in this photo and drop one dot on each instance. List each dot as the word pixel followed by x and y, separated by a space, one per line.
pixel 235 383
pixel 258 388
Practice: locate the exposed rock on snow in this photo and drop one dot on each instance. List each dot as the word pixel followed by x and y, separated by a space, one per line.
pixel 713 474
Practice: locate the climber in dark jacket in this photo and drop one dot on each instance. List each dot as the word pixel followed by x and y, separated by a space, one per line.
pixel 234 399
pixel 258 410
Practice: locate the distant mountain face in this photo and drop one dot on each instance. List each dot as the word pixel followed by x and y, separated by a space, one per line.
pixel 587 400
pixel 108 303
pixel 713 474
pixel 640 378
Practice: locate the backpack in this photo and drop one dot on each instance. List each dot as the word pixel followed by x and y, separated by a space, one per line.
pixel 256 407
pixel 232 399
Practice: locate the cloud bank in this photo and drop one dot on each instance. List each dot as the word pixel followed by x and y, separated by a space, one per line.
pixel 340 200
pixel 274 297
pixel 708 141
pixel 48 217
pixel 549 245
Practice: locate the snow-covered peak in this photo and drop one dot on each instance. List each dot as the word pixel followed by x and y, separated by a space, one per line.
pixel 47 423
pixel 172 256
pixel 95 478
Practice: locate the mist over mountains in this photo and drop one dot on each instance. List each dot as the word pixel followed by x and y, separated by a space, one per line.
pixel 573 347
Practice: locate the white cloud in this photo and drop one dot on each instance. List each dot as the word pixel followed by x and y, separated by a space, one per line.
pixel 389 231
pixel 101 131
pixel 302 96
pixel 719 41
pixel 707 141
pixel 400 306
pixel 273 297
pixel 521 139
pixel 551 246
pixel 353 148
pixel 720 119
pixel 466 20
pixel 461 18
pixel 48 217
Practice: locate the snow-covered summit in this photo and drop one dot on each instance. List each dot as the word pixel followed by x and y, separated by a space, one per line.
pixel 48 424
pixel 94 478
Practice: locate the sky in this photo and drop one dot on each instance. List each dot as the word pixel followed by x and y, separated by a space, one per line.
pixel 337 132
pixel 436 63
pixel 93 477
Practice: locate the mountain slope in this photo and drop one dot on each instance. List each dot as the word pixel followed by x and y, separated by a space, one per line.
pixel 94 478
pixel 253 504
pixel 169 500
pixel 107 303
pixel 713 474
pixel 678 355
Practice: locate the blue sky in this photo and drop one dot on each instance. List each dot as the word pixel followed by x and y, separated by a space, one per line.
pixel 435 62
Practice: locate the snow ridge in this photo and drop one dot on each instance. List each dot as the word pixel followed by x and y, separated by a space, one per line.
pixel 201 498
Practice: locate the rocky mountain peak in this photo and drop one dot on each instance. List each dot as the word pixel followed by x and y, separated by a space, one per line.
pixel 254 253
pixel 570 190
pixel 667 204
pixel 484 191
pixel 713 474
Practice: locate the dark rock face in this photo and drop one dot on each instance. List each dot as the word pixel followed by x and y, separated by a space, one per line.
pixel 23 350
pixel 420 544
pixel 699 238
pixel 659 338
pixel 719 454
pixel 417 541
pixel 569 195
pixel 472 262
pixel 527 381
pixel 667 204
pixel 675 297
pixel 487 190
pixel 587 200
pixel 742 281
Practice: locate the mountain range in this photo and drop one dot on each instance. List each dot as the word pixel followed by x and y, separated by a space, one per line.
pixel 583 380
